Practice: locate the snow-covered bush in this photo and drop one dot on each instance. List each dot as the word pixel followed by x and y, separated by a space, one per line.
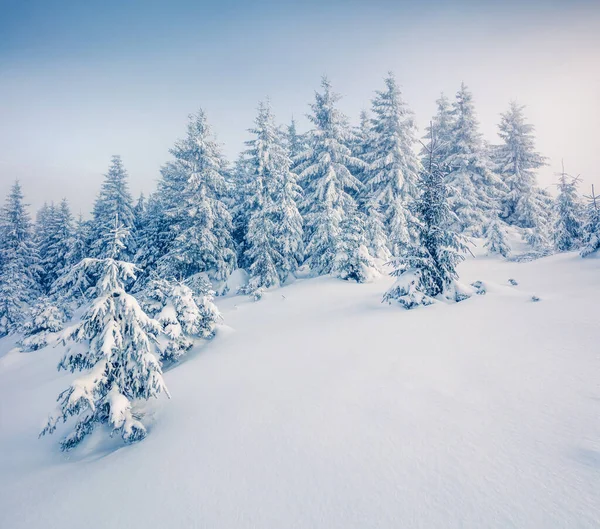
pixel 45 318
pixel 495 238
pixel 353 262
pixel 180 316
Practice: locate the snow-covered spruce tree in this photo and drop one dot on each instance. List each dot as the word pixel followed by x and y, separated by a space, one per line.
pixel 473 187
pixel 516 162
pixel 591 231
pixel 45 318
pixel 495 238
pixel 181 318
pixel 163 220
pixel 568 229
pixel 78 249
pixel 442 123
pixel 19 268
pixel 326 178
pixel 390 181
pixel 295 143
pixel 119 354
pixel 113 200
pixel 353 262
pixel 289 228
pixel 201 223
pixel 54 228
pixel 273 238
pixel 375 232
pixel 427 267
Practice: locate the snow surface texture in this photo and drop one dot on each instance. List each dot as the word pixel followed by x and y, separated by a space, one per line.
pixel 321 407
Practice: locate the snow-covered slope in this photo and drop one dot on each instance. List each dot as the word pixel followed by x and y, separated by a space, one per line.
pixel 319 407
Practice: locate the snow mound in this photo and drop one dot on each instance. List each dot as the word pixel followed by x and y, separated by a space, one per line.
pixel 325 408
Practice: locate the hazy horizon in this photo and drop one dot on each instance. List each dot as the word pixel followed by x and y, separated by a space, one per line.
pixel 83 82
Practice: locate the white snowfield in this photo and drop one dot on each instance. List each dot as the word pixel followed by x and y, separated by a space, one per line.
pixel 319 407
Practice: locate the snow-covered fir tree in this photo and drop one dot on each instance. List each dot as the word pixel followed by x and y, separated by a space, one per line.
pixel 473 187
pixel 45 318
pixel 78 248
pixel 273 236
pixel 568 229
pixel 181 315
pixel 427 267
pixel 55 238
pixel 353 262
pixel 375 232
pixel 591 229
pixel 139 217
pixel 200 221
pixel 390 181
pixel 442 124
pixel 19 263
pixel 325 170
pixel 516 162
pixel 118 340
pixel 295 143
pixel 113 200
pixel 495 238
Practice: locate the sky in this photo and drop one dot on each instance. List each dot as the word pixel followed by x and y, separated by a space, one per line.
pixel 81 81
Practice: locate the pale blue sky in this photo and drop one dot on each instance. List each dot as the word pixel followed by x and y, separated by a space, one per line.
pixel 80 81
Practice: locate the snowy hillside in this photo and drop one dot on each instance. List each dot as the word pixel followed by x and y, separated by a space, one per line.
pixel 320 407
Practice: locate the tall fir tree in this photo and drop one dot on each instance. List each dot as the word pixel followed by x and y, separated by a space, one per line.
pixel 591 230
pixel 54 227
pixel 19 262
pixel 473 187
pixel 113 200
pixel 390 181
pixel 201 223
pixel 568 229
pixel 295 143
pixel 261 252
pixel 427 268
pixel 516 162
pixel 119 357
pixel 442 125
pixel 325 170
pixel 273 237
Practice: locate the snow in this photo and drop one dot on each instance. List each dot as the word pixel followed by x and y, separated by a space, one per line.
pixel 325 408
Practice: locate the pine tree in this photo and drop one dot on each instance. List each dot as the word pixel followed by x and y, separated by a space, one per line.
pixel 390 181
pixel 45 318
pixel 516 161
pixel 473 187
pixel 353 262
pixel 200 221
pixel 19 268
pixel 495 238
pixel 119 356
pixel 427 268
pixel 568 226
pixel 181 318
pixel 592 226
pixel 328 183
pixel 113 200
